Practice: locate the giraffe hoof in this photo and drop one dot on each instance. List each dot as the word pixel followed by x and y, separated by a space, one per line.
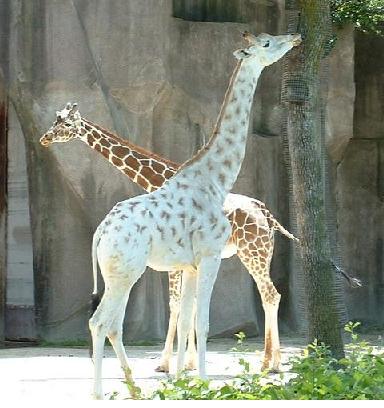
pixel 274 371
pixel 162 369
pixel 190 367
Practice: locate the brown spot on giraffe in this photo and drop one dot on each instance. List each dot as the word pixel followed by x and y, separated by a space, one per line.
pixel 147 173
pixel 227 163
pixel 240 217
pixel 96 134
pixel 146 163
pixel 138 155
pixel 180 243
pixel 161 230
pixel 117 162
pixel 212 190
pixel 130 173
pixel 168 174
pixel 90 139
pixel 209 165
pixel 219 150
pixel 157 180
pixel 197 205
pixel 141 181
pixel 165 215
pixel 212 219
pixel 131 162
pixel 222 178
pixel 104 142
pixel 120 151
pixel 105 152
pixel 158 167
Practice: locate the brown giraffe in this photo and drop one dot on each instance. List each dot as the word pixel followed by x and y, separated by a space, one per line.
pixel 181 225
pixel 253 225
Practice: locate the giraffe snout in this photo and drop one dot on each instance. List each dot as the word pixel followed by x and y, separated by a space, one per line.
pixel 46 139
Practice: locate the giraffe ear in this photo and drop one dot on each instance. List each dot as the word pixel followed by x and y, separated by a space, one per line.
pixel 250 38
pixel 74 108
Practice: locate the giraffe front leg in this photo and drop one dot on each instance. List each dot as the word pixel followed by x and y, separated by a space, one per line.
pixel 207 273
pixel 174 279
pixel 186 308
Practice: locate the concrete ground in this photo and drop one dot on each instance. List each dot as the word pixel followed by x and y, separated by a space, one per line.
pixel 65 374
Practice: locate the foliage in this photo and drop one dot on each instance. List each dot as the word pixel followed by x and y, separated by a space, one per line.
pixel 315 375
pixel 366 15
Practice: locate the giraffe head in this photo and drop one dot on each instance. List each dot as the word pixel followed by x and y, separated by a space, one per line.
pixel 66 126
pixel 266 49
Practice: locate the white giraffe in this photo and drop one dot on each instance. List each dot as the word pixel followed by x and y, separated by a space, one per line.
pixel 180 226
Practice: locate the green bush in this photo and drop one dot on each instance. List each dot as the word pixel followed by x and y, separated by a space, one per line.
pixel 315 375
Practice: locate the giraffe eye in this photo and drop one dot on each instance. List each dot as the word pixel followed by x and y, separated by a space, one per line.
pixel 266 45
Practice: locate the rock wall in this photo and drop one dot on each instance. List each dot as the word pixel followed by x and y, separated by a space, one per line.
pixel 158 81
pixel 360 180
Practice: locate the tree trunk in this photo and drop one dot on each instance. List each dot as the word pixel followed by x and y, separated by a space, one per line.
pixel 301 92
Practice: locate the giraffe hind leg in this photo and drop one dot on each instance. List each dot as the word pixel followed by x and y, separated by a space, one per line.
pixel 107 321
pixel 272 343
pixel 115 336
pixel 99 325
pixel 259 266
pixel 174 278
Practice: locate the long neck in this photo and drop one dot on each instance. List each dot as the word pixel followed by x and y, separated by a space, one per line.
pixel 146 169
pixel 219 162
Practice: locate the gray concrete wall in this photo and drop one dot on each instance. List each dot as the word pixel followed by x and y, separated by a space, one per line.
pixel 360 178
pixel 158 81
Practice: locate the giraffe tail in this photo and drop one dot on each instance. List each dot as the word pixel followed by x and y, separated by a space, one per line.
pixel 279 227
pixel 95 297
pixel 272 222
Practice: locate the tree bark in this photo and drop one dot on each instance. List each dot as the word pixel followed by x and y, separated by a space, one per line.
pixel 304 130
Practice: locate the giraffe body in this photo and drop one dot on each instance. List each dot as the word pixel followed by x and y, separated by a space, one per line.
pixel 188 229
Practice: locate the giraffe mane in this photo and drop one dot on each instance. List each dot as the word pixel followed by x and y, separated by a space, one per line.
pixel 215 131
pixel 133 146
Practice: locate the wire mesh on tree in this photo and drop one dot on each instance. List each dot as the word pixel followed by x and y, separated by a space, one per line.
pixel 296 90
